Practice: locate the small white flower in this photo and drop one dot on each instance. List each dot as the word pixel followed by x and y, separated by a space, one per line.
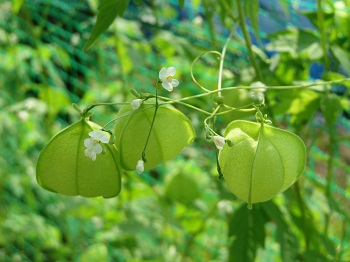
pixel 258 93
pixel 166 76
pixel 225 206
pixel 135 104
pixel 219 141
pixel 92 143
pixel 140 167
pixel 258 84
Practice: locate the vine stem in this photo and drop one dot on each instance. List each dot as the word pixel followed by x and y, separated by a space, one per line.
pixel 225 89
pixel 150 130
pixel 222 58
pixel 321 28
pixel 88 108
pixel 247 40
pixel 195 61
pixel 211 116
pixel 330 164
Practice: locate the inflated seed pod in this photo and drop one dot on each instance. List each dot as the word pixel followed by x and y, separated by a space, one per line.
pixel 64 168
pixel 171 133
pixel 263 161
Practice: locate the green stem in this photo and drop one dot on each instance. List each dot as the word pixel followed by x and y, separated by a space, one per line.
pixel 170 101
pixel 303 215
pixel 225 89
pixel 321 28
pixel 268 87
pixel 127 114
pixel 330 165
pixel 247 40
pixel 194 62
pixel 210 117
pixel 150 130
pixel 209 15
pixel 338 256
pixel 222 58
pixel 89 107
pixel 200 230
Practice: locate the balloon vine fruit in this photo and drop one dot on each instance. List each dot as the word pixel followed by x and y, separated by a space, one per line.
pixel 172 132
pixel 63 167
pixel 263 161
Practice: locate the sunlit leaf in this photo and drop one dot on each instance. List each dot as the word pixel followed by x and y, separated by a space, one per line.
pixel 342 56
pixel 107 12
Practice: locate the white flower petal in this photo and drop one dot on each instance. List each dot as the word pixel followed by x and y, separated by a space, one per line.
pixel 162 73
pixel 94 134
pixel 136 103
pixel 171 71
pixel 174 82
pixel 104 139
pixel 93 156
pixel 219 141
pixel 87 153
pixel 99 135
pixel 167 86
pixel 88 143
pixel 97 148
pixel 140 166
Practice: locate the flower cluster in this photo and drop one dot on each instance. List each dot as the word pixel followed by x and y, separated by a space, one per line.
pixel 92 143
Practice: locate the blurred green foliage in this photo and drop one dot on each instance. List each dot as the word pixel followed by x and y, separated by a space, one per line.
pixel 44 69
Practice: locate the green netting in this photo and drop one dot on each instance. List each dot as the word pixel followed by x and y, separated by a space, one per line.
pixel 67 24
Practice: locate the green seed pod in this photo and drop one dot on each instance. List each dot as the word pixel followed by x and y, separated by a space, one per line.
pixel 182 188
pixel 63 167
pixel 172 132
pixel 263 161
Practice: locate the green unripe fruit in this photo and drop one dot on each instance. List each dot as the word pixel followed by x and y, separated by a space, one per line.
pixel 63 167
pixel 182 188
pixel 172 132
pixel 263 161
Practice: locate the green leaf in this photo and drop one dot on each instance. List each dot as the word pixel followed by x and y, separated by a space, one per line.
pixel 63 167
pixel 16 5
pixel 251 9
pixel 107 12
pixel 284 4
pixel 303 106
pixel 246 228
pixel 182 3
pixel 172 132
pixel 342 56
pixel 285 237
pixel 96 252
pixel 314 256
pixel 263 162
pixel 331 108
pixel 56 98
